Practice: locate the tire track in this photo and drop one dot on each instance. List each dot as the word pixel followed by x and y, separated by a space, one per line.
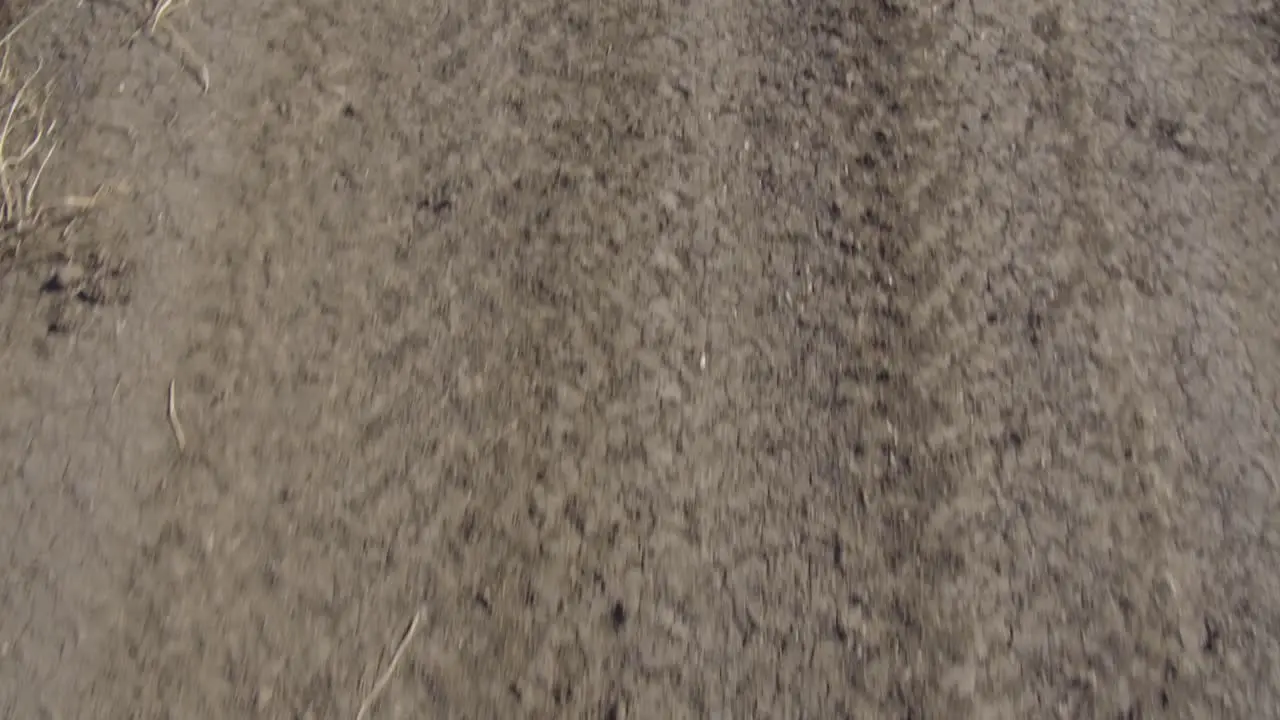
pixel 845 117
pixel 623 526
pixel 537 451
pixel 1085 601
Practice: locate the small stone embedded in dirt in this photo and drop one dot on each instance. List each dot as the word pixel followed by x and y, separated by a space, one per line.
pixel 58 326
pixel 65 276
pixel 94 293
pixel 264 697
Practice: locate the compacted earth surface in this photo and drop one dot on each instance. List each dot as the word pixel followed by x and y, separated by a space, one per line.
pixel 646 359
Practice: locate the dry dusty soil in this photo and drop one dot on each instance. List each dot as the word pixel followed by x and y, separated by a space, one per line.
pixel 662 358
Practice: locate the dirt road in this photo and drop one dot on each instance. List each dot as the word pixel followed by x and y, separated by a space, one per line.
pixel 664 359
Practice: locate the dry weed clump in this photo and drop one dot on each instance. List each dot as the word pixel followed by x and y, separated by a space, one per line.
pixel 27 144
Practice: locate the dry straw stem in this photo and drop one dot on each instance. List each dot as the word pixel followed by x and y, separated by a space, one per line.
pixel 19 25
pixel 174 424
pixel 26 146
pixel 190 58
pixel 383 680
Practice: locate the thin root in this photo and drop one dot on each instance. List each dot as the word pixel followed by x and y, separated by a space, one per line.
pixel 191 59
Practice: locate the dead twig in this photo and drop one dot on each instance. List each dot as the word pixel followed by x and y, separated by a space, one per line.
pixel 189 57
pixel 381 685
pixel 176 426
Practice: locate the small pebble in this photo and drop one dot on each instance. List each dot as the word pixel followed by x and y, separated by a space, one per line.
pixel 69 275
